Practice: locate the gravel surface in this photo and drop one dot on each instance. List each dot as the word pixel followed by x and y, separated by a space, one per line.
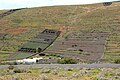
pixel 75 66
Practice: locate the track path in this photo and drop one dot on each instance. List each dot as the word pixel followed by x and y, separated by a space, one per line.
pixel 75 66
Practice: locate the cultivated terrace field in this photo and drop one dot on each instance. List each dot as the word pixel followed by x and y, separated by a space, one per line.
pixel 37 45
pixel 21 26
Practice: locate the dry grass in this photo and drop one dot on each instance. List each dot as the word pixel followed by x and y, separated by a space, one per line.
pixel 63 74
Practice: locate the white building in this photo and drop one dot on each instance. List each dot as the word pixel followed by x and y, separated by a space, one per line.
pixel 34 60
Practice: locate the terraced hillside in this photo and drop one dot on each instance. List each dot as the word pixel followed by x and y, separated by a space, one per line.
pixel 25 24
pixel 86 46
pixel 37 45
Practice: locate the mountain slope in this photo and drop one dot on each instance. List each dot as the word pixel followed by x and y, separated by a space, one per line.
pixel 25 24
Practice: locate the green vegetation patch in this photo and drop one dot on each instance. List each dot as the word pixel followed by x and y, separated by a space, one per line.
pixel 22 55
pixel 35 45
pixel 38 40
pixel 67 60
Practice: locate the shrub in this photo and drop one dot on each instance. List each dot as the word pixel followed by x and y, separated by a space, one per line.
pixel 15 78
pixel 46 71
pixel 11 67
pixel 54 55
pixel 55 72
pixel 19 70
pixel 69 69
pixel 67 60
pixel 62 74
pixel 44 77
pixel 75 74
pixel 117 61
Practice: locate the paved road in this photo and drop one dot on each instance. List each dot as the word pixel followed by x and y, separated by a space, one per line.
pixel 76 66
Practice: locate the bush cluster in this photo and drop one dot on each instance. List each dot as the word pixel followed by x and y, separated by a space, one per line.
pixel 117 61
pixel 67 60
